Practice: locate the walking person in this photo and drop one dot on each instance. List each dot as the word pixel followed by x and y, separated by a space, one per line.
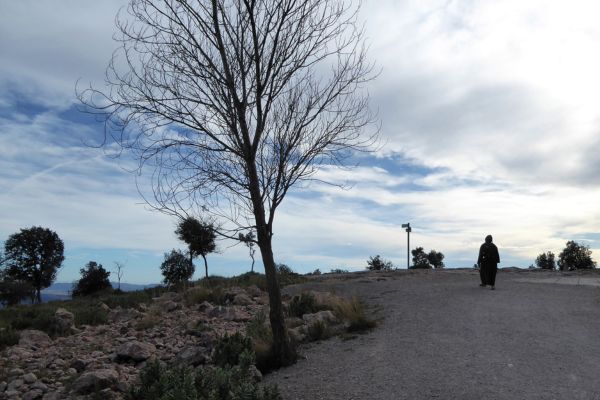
pixel 488 262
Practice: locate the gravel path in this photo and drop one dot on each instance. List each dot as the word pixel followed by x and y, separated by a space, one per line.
pixel 443 337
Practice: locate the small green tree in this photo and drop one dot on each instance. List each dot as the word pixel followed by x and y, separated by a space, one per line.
pixel 420 260
pixel 378 264
pixel 176 268
pixel 33 256
pixel 94 279
pixel 249 240
pixel 436 259
pixel 546 261
pixel 199 236
pixel 575 256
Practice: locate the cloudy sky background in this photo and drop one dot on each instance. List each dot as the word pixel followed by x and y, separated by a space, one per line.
pixel 490 114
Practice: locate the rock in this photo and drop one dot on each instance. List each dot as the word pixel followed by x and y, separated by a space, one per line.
pixel 123 315
pixel 255 373
pixel 95 381
pixel 253 291
pixel 2 386
pixel 32 337
pixel 170 306
pixel 51 396
pixel 242 299
pixel 192 356
pixel 30 378
pixel 229 314
pixel 293 322
pixel 64 320
pixel 33 394
pixel 13 385
pixel 16 372
pixel 40 386
pixel 77 364
pixel 11 394
pixel 326 317
pixel 135 351
pixel 205 306
pixel 104 307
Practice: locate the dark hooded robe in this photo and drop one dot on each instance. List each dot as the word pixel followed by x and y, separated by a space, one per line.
pixel 488 262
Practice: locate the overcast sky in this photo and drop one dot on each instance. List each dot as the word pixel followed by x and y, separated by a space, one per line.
pixel 490 114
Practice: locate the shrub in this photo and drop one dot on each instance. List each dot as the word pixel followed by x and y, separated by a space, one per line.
pixel 8 337
pixel 257 327
pixel 575 256
pixel 12 292
pixel 177 269
pixel 317 331
pixel 306 303
pixel 353 311
pixel 228 349
pixel 338 271
pixel 546 261
pixel 94 279
pixel 90 316
pixel 436 259
pixel 199 294
pixel 378 264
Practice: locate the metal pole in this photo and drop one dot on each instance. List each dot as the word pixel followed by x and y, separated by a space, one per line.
pixel 408 246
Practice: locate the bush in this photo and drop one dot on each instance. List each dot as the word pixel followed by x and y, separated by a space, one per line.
pixel 228 349
pixel 158 382
pixel 317 331
pixel 353 311
pixel 378 264
pixel 436 259
pixel 575 256
pixel 94 279
pixel 8 337
pixel 12 292
pixel 200 294
pixel 306 303
pixel 420 260
pixel 546 261
pixel 176 268
pixel 338 271
pixel 90 316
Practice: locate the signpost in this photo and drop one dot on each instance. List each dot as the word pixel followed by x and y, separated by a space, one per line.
pixel 408 230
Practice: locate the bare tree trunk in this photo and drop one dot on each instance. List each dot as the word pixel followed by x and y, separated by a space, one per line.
pixel 205 266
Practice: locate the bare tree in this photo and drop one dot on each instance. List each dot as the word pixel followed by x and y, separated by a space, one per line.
pixel 119 267
pixel 230 103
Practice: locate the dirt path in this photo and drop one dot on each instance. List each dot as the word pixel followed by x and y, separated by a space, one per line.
pixel 443 337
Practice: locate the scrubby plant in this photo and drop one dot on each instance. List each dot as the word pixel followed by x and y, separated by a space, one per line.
pixel 306 303
pixel 92 315
pixel 317 330
pixel 94 279
pixel 13 292
pixel 546 261
pixel 200 294
pixel 353 312
pixel 575 256
pixel 257 327
pixel 228 349
pixel 8 337
pixel 158 382
pixel 378 264
pixel 338 271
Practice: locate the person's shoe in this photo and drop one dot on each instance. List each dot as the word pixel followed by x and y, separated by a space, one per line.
pixel 493 288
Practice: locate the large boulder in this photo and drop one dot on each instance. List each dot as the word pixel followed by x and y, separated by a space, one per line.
pixel 135 351
pixel 32 337
pixel 242 299
pixel 95 380
pixel 64 320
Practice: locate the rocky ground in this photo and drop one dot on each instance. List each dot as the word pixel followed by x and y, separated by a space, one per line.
pixel 106 359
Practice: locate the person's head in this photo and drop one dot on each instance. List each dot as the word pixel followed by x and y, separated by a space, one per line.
pixel 488 239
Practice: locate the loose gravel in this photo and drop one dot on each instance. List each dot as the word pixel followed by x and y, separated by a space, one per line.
pixel 443 337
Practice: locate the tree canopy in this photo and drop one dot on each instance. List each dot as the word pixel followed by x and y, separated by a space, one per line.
pixel 575 256
pixel 176 268
pixel 199 236
pixel 94 279
pixel 33 256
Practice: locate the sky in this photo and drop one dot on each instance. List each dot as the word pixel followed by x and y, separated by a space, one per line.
pixel 489 113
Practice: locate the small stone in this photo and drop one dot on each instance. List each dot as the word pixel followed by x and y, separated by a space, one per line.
pixel 30 378
pixel 78 364
pixel 16 372
pixel 11 394
pixel 51 396
pixel 2 386
pixel 39 385
pixel 71 371
pixel 64 320
pixel 192 356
